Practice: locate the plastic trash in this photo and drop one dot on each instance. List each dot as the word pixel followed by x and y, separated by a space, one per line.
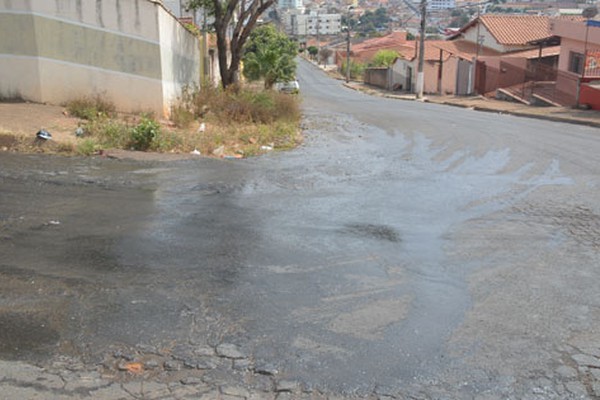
pixel 195 152
pixel 79 132
pixel 43 134
pixel 202 127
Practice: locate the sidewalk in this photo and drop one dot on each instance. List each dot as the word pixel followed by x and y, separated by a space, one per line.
pixel 480 103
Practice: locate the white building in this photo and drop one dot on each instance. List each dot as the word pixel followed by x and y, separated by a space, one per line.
pixel 313 24
pixel 177 7
pixel 433 5
pixel 290 4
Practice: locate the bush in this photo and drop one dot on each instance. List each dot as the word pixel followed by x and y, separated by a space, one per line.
pixel 109 132
pixel 181 116
pixel 241 105
pixel 144 134
pixel 91 108
pixel 86 147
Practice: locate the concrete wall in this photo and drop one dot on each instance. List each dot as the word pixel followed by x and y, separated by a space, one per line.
pixel 379 77
pixel 590 95
pixel 403 77
pixel 489 40
pixel 133 52
pixel 401 69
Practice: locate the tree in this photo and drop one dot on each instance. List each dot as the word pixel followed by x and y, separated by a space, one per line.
pixel 324 55
pixel 384 58
pixel 313 51
pixel 269 55
pixel 242 16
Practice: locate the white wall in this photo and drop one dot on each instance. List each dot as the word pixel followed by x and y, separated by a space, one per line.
pixel 132 52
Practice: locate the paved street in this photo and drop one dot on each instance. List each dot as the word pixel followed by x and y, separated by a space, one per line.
pixel 406 250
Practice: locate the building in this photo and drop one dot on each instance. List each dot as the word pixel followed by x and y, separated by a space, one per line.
pixel 579 62
pixel 434 5
pixel 290 4
pixel 313 24
pixel 507 33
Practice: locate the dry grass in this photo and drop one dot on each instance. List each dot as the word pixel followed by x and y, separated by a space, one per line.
pixel 239 122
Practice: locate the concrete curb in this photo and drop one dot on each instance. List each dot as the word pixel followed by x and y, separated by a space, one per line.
pixel 552 118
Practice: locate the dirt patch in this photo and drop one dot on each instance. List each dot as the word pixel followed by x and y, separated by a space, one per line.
pixel 26 119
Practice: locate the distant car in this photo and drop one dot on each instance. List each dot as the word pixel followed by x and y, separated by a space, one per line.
pixel 292 87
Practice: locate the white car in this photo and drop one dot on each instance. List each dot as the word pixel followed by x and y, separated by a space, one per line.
pixel 292 87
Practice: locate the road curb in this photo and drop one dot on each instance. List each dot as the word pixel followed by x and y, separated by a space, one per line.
pixel 551 118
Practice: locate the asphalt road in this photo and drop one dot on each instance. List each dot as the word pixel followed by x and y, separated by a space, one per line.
pixel 406 249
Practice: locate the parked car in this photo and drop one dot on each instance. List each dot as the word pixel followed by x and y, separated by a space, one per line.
pixel 292 87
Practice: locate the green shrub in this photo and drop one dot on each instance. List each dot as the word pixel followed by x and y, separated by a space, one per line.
pixel 144 134
pixel 181 116
pixel 166 141
pixel 110 132
pixel 86 147
pixel 91 108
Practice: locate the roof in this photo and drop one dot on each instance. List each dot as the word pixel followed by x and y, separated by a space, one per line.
pixel 464 48
pixel 535 53
pixel 384 42
pixel 516 30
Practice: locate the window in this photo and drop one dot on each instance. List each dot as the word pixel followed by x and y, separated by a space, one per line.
pixel 576 62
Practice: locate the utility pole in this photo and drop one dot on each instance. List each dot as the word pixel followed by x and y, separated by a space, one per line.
pixel 347 54
pixel 420 74
pixel 479 43
pixel 350 8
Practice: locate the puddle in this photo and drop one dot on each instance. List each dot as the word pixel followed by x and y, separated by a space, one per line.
pixel 24 335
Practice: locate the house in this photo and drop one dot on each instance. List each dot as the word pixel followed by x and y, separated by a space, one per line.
pixel 579 62
pixel 364 52
pixel 507 33
pixel 135 54
pixel 446 68
pixel 526 51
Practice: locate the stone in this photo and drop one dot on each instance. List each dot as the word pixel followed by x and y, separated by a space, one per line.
pixel 266 369
pixel 286 386
pixel 192 380
pixel 124 355
pixel 148 349
pixel 171 365
pixel 155 390
pixel 242 365
pixel 567 372
pixel 151 364
pixel 595 372
pixel 204 351
pixel 235 391
pixel 587 360
pixel 206 363
pixel 190 364
pixel 231 351
pixel 576 388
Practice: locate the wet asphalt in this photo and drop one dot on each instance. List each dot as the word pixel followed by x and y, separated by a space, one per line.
pixel 403 245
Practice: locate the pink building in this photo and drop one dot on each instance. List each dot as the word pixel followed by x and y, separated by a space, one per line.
pixel 578 77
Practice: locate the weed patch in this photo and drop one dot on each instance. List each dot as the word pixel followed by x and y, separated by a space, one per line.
pixel 90 108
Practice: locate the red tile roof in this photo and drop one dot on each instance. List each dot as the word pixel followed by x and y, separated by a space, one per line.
pixel 535 53
pixel 384 42
pixel 516 29
pixel 464 49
